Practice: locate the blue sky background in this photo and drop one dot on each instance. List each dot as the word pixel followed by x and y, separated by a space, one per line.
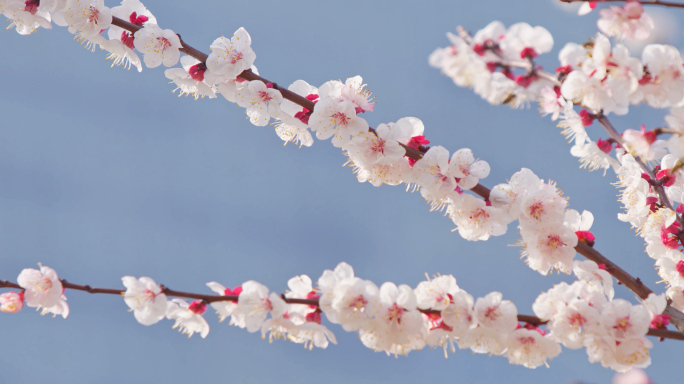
pixel 105 173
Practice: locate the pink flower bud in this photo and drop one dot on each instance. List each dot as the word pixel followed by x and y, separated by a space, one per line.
pixel 660 321
pixel 196 73
pixel 665 177
pixel 313 317
pixel 586 237
pixel 604 145
pixel 633 10
pixel 198 307
pixel 528 52
pixel 680 268
pixel 587 119
pixel 12 302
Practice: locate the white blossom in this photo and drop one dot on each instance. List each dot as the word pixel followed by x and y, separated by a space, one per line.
pixel 157 46
pixel 145 298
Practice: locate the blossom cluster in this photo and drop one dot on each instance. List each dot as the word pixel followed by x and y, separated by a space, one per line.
pixel 549 230
pixel 584 314
pixel 376 155
pixel 499 64
pixel 628 22
pixel 487 62
pixel 42 290
pixel 394 319
pixel 601 78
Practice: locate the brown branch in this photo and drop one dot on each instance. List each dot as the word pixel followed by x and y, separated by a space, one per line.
pixel 644 2
pixel 661 333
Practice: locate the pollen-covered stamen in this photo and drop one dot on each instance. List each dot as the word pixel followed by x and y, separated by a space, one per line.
pixel 377 145
pixel 340 118
pixel 358 304
pixel 43 285
pixel 264 96
pixel 395 312
pixel 536 210
pixel 492 313
pixel 554 241
pixel 623 324
pixel 92 15
pixel 148 295
pixel 577 320
pixel 526 340
pixel 31 6
pixel 267 305
pixel 162 44
pixel 479 216
pixel 235 56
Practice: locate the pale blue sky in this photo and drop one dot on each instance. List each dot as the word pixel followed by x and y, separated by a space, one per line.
pixel 105 173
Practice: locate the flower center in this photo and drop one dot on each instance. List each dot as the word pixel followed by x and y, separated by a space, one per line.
pixel 43 285
pixel 92 15
pixel 340 119
pixel 537 210
pixel 264 96
pixel 492 313
pixel 235 56
pixel 358 304
pixel 622 324
pixel 479 215
pixel 378 146
pixel 163 43
pixel 577 320
pixel 395 313
pixel 148 295
pixel 554 241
